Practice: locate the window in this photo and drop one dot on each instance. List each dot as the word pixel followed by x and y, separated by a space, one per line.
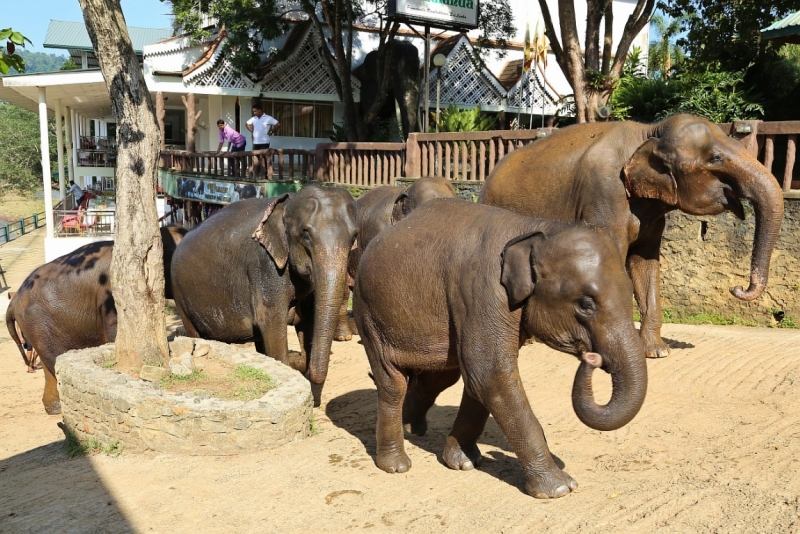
pixel 300 118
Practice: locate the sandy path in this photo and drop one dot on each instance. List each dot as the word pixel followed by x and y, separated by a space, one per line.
pixel 716 448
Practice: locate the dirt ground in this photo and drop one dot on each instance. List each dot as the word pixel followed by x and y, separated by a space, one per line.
pixel 714 449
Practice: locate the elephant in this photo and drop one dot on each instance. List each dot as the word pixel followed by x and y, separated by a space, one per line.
pixel 403 84
pixel 245 191
pixel 481 281
pixel 378 209
pixel 67 304
pixel 261 264
pixel 626 176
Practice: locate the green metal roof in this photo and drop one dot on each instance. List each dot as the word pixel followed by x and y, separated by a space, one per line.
pixel 73 36
pixel 787 29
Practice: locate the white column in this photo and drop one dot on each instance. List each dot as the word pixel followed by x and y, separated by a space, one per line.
pixel 45 146
pixel 60 147
pixel 70 143
pixel 84 60
pixel 75 142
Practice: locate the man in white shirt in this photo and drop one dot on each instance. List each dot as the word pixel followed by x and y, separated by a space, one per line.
pixel 262 126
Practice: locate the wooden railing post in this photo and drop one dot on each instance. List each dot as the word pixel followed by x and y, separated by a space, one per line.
pixel 413 167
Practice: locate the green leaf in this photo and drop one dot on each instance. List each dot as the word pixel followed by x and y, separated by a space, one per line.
pixel 17 38
pixel 5 33
pixel 3 65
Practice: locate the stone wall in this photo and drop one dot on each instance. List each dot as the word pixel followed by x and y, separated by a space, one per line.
pixel 703 257
pixel 109 406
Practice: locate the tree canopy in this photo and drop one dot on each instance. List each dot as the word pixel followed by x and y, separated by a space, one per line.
pixel 20 151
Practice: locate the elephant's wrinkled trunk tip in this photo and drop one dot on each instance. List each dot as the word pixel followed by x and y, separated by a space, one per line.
pixel 757 285
pixel 629 390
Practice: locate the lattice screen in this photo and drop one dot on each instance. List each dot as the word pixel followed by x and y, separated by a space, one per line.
pixel 463 82
pixel 223 75
pixel 302 72
pixel 528 93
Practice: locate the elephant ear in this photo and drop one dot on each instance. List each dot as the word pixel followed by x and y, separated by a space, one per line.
pixel 271 232
pixel 517 271
pixel 648 176
pixel 399 211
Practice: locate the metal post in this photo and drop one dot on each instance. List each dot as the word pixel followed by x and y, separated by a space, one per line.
pixel 438 85
pixel 425 125
pixel 45 151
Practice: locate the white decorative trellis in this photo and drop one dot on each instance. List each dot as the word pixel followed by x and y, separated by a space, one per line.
pixel 301 72
pixel 529 92
pixel 223 75
pixel 465 81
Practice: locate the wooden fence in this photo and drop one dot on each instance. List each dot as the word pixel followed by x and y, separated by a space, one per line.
pixel 254 166
pixel 467 156
pixel 360 164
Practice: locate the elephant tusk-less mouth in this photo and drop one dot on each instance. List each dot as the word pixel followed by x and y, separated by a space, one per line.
pixel 594 359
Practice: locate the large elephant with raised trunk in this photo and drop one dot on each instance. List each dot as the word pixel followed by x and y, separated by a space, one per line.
pixel 479 283
pixel 67 304
pixel 261 264
pixel 625 176
pixel 378 209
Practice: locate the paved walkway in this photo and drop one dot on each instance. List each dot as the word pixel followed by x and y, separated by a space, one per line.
pixel 18 259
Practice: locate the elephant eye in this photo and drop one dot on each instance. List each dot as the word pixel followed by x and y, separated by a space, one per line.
pixel 587 305
pixel 716 158
pixel 305 235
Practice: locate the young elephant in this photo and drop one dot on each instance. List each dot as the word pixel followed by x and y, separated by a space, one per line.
pixel 480 282
pixel 67 304
pixel 263 263
pixel 379 209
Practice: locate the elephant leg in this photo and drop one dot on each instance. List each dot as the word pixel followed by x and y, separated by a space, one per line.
pixel 493 379
pixel 461 450
pixel 50 399
pixel 343 332
pixel 391 385
pixel 643 267
pixel 269 334
pixel 423 388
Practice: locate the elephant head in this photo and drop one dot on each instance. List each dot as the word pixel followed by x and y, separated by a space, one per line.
pixel 577 298
pixel 420 192
pixel 690 164
pixel 312 232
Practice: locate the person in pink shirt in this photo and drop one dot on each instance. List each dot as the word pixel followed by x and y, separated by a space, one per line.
pixel 236 143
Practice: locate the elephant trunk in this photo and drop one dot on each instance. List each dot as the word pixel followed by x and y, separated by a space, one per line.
pixel 760 187
pixel 330 278
pixel 629 382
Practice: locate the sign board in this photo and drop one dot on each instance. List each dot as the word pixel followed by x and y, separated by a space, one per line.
pixel 445 14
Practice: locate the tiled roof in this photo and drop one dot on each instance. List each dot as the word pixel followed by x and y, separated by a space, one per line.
pixel 511 73
pixel 73 36
pixel 786 30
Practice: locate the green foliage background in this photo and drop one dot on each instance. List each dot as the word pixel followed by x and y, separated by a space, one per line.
pixel 20 154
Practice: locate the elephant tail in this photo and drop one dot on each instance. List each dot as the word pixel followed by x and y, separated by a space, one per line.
pixel 11 324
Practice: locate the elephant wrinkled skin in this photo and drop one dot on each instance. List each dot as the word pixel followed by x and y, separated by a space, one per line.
pixel 378 209
pixel 481 281
pixel 626 176
pixel 67 304
pixel 261 264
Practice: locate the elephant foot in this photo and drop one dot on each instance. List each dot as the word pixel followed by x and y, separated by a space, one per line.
pixel 550 484
pixel 656 348
pixel 394 461
pixel 297 361
pixel 53 408
pixel 418 426
pixel 343 332
pixel 461 458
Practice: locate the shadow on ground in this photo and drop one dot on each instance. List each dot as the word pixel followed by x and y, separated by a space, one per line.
pixel 356 413
pixel 44 490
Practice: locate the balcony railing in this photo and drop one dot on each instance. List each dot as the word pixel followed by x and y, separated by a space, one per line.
pixel 254 166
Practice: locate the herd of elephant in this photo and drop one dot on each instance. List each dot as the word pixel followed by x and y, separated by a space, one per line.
pixel 565 232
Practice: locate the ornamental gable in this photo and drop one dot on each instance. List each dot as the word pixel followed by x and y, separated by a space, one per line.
pixel 465 80
pixel 301 72
pixel 529 92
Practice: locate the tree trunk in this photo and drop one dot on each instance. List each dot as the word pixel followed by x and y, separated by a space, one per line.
pixel 160 114
pixel 137 271
pixel 191 120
